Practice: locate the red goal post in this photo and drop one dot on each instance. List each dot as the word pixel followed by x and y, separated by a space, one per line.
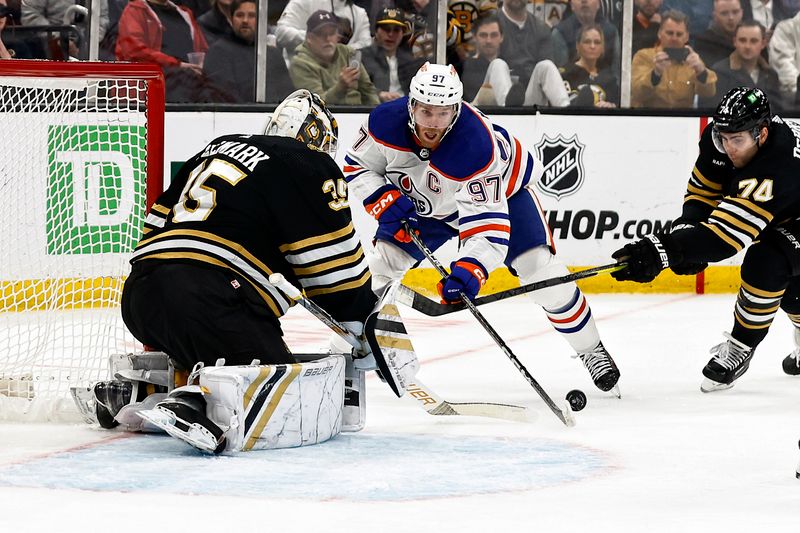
pixel 81 161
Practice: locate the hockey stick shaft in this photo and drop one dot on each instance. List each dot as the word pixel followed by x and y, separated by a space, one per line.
pixel 564 415
pixel 431 307
pixel 424 396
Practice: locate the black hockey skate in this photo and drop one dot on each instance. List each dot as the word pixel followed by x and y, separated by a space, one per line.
pixel 110 397
pixel 602 369
pixel 183 416
pixel 729 361
pixel 791 364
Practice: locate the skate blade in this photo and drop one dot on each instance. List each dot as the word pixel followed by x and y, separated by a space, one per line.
pixel 712 386
pixel 196 435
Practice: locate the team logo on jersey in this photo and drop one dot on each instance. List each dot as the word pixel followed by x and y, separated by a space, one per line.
pixel 562 160
pixel 422 205
pixel 424 153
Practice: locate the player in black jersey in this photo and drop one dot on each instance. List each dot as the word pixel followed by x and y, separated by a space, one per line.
pixel 744 192
pixel 242 208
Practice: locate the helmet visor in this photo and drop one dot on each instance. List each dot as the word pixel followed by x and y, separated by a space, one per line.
pixel 738 141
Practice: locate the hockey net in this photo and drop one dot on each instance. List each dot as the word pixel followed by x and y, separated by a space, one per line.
pixel 80 161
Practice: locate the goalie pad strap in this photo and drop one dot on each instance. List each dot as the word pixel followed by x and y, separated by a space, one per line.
pixel 392 348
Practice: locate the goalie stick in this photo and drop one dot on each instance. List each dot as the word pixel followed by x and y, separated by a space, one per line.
pixel 563 413
pixel 431 402
pixel 411 298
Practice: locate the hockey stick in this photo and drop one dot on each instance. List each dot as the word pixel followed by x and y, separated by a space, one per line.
pixel 411 298
pixel 424 396
pixel 565 414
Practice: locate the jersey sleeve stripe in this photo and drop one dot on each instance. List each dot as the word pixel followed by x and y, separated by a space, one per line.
pixel 736 245
pixel 333 277
pixel 482 216
pixel 155 220
pixel 528 171
pixel 692 197
pixel 485 228
pixel 306 258
pixel 364 278
pixel 726 219
pixel 755 209
pixel 305 243
pixel 348 177
pixel 498 240
pixel 705 181
pixel 753 220
pixel 330 265
pixel 692 189
pixel 512 182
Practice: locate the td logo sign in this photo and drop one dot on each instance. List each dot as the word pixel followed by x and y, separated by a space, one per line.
pixel 95 189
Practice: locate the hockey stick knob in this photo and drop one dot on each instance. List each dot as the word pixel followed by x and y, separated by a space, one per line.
pixel 287 288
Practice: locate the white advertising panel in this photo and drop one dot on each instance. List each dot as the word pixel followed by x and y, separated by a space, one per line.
pixel 603 181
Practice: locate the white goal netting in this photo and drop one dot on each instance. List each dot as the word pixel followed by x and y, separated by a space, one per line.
pixel 73 182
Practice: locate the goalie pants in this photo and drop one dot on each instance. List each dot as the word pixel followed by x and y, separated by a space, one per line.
pixel 196 313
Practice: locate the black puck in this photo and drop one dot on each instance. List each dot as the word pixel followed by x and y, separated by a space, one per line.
pixel 576 399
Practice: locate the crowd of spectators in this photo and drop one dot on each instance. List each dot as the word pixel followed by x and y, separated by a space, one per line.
pixel 685 53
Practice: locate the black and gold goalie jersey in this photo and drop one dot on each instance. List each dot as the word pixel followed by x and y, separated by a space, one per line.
pixel 731 206
pixel 256 205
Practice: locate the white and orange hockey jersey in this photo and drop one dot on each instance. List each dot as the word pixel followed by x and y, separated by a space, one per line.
pixel 464 182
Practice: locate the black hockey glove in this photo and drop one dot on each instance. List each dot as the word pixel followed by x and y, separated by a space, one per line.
pixel 682 268
pixel 646 258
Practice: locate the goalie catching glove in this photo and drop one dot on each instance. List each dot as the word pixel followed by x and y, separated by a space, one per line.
pixel 467 276
pixel 646 258
pixel 391 209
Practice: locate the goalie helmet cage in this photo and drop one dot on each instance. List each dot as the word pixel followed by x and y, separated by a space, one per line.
pixel 81 161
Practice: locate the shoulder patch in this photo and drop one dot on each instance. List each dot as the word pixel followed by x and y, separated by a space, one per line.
pixel 388 124
pixel 467 149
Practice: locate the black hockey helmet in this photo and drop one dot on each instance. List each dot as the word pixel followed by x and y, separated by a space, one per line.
pixel 742 109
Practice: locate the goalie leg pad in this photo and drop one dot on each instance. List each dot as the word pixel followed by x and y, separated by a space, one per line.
pixel 275 406
pixel 390 344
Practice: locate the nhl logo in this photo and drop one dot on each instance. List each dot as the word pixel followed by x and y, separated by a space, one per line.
pixel 424 153
pixel 563 165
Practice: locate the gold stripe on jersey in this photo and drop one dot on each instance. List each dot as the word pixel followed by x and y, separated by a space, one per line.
pixel 707 183
pixel 754 209
pixel 352 258
pixel 761 293
pixel 794 318
pixel 263 420
pixel 733 243
pixel 736 222
pixel 204 235
pixel 160 208
pixel 146 230
pixel 691 188
pixel 203 258
pixel 364 278
pixel 694 197
pixel 311 241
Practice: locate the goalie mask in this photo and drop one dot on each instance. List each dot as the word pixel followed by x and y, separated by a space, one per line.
pixel 435 85
pixel 303 116
pixel 741 109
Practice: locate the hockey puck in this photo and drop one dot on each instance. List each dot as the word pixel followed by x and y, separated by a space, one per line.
pixel 576 399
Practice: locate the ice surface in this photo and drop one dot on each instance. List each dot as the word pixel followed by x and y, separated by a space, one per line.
pixel 664 458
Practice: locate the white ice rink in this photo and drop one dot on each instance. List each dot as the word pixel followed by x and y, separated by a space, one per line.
pixel 664 458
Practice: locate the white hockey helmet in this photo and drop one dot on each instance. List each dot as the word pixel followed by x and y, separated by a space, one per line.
pixel 438 85
pixel 303 116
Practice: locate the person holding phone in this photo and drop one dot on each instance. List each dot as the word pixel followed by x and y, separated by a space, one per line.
pixel 670 74
pixel 333 70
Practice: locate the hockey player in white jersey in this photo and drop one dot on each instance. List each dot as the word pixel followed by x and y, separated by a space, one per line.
pixel 438 163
